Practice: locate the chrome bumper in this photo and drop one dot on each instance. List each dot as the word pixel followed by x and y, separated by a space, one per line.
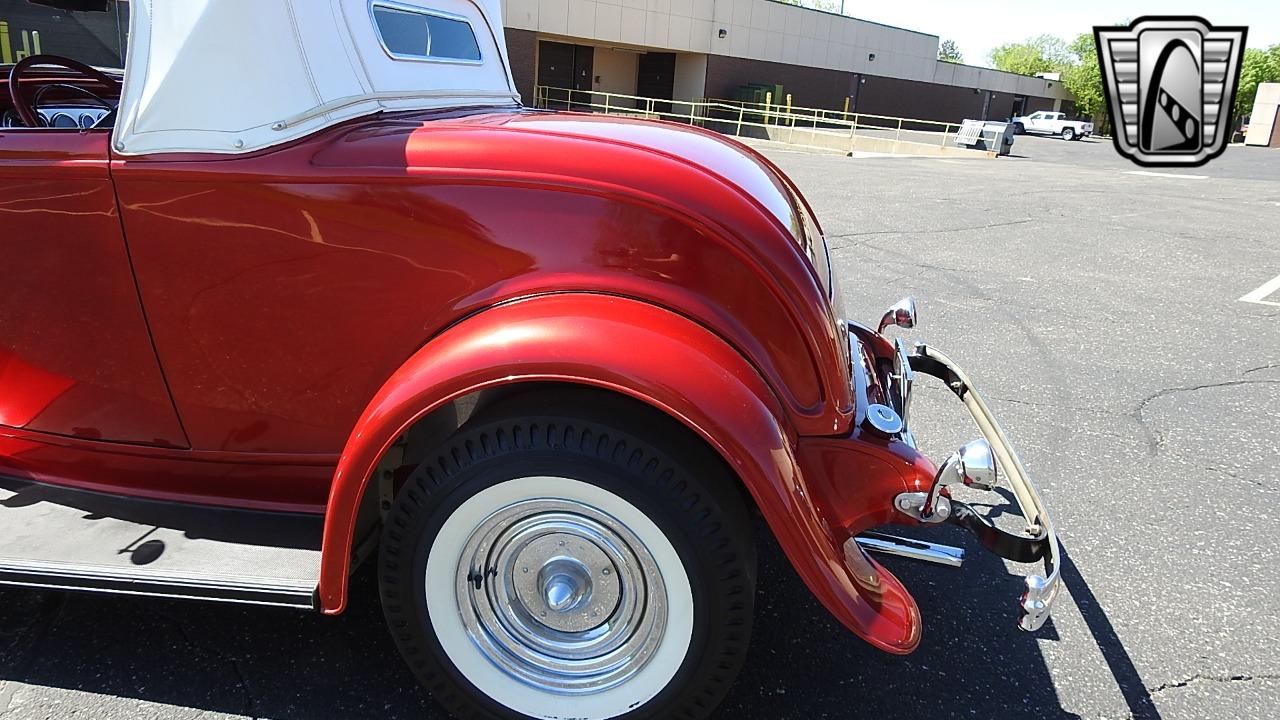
pixel 1042 590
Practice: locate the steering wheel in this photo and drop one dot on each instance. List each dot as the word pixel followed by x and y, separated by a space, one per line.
pixel 27 111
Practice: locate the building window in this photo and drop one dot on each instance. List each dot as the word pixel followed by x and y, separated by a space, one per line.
pixel 413 33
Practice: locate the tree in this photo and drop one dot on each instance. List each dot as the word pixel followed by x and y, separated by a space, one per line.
pixel 1042 54
pixel 948 52
pixel 1256 67
pixel 1083 78
pixel 1077 61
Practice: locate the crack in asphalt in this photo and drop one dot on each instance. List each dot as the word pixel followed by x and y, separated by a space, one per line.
pixel 1261 367
pixel 1098 411
pixel 1155 439
pixel 1202 678
pixel 1237 476
pixel 923 266
pixel 250 702
pixel 1053 406
pixel 1195 679
pixel 962 228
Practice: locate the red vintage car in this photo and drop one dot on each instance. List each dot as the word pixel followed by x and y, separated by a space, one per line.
pixel 338 297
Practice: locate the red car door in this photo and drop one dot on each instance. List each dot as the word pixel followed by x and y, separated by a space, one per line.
pixel 76 358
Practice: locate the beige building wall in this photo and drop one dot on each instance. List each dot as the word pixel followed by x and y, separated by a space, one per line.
pixel 615 70
pixel 691 77
pixel 765 30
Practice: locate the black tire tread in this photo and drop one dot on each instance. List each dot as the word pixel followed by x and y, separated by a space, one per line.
pixel 700 494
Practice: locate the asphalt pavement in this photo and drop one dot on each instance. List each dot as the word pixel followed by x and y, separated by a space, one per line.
pixel 1099 311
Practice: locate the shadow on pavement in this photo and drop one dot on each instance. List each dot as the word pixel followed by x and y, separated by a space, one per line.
pixel 1135 692
pixel 973 661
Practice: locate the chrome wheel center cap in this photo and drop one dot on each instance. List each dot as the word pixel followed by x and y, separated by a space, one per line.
pixel 566 582
pixel 560 593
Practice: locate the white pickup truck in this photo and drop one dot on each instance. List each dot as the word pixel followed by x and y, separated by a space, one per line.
pixel 1052 123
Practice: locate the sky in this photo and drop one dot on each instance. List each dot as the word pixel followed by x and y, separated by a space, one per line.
pixel 979 26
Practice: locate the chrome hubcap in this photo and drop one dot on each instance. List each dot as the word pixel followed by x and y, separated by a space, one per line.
pixel 566 582
pixel 561 596
pixel 563 591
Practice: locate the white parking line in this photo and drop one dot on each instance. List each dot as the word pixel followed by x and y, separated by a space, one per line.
pixel 1267 288
pixel 1148 173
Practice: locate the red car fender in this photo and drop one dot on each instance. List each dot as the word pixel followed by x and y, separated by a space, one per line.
pixel 656 356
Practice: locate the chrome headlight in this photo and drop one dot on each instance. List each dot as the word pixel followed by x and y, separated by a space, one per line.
pixel 901 313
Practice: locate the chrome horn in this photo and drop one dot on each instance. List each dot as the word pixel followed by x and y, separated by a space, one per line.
pixel 973 465
pixel 901 313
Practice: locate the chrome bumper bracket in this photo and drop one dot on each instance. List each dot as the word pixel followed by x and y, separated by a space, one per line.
pixel 1018 548
pixel 1041 541
pixel 909 548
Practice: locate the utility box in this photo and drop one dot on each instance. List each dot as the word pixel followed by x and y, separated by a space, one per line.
pixel 995 137
pixel 1264 129
pixel 999 137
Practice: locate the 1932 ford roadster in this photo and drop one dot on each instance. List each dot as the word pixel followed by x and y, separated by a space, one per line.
pixel 338 296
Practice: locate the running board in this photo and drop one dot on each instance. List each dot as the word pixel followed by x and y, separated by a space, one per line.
pixel 914 549
pixel 54 576
pixel 63 539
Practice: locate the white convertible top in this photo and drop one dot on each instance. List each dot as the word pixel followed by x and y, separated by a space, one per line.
pixel 233 76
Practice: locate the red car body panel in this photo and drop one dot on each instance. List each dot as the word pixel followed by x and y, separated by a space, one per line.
pixel 678 366
pixel 280 482
pixel 324 266
pixel 75 356
pixel 317 298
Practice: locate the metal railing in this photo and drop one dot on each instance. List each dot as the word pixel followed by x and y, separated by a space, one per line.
pixel 618 104
pixel 812 127
pixel 795 113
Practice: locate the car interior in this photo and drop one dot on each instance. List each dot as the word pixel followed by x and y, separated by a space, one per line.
pixel 49 91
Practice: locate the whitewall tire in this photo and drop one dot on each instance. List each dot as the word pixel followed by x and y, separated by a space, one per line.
pixel 553 567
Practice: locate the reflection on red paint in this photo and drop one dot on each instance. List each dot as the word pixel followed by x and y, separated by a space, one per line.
pixel 69 308
pixel 26 390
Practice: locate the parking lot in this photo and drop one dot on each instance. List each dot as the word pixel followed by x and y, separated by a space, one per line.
pixel 1099 308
